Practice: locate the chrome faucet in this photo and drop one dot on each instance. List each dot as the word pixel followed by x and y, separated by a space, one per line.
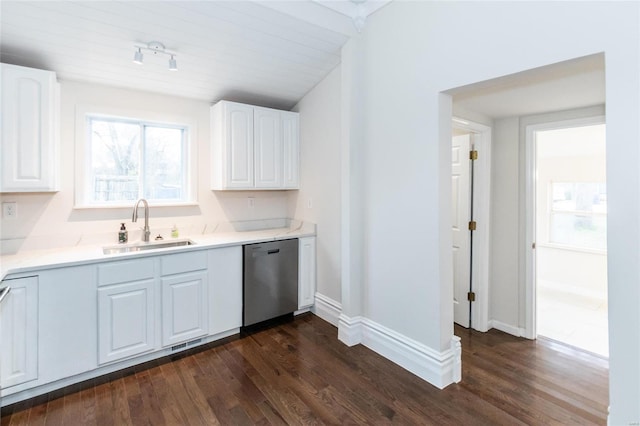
pixel 145 231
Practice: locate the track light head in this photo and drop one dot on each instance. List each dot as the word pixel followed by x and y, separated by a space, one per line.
pixel 173 65
pixel 137 57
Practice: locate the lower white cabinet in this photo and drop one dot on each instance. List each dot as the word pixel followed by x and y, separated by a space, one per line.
pixel 306 272
pixel 68 324
pixel 19 332
pixel 126 317
pixel 184 307
pixel 225 289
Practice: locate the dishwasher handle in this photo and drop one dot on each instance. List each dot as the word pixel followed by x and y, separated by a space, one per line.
pixel 4 292
pixel 262 252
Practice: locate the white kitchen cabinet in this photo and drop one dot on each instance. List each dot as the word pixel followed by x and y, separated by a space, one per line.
pixel 306 272
pixel 30 116
pixel 291 149
pixel 126 319
pixel 232 146
pixel 184 307
pixel 126 309
pixel 67 322
pixel 225 294
pixel 184 285
pixel 19 332
pixel 268 148
pixel 253 147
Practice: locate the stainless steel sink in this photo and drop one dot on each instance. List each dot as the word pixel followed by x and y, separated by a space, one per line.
pixel 142 246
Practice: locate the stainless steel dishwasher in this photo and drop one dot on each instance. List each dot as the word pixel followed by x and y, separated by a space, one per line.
pixel 270 280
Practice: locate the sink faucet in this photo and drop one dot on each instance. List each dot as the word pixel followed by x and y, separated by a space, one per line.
pixel 145 231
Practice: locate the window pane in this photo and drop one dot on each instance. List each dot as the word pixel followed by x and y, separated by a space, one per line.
pixel 163 173
pixel 579 230
pixel 579 197
pixel 115 160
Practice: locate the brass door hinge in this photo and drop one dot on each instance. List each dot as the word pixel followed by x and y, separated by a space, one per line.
pixel 471 296
pixel 473 155
pixel 472 225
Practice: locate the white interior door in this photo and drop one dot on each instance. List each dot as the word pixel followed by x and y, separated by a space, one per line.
pixel 461 213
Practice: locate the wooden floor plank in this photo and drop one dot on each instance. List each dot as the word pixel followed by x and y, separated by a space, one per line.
pixel 298 372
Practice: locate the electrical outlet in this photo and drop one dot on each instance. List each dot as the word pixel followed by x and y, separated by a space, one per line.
pixel 251 202
pixel 10 209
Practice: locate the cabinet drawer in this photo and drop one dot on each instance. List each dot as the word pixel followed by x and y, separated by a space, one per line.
pixel 183 262
pixel 125 271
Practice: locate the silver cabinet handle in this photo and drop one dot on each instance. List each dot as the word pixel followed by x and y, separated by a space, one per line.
pixel 4 292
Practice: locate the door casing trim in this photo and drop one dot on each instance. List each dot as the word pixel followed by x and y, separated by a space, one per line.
pixel 530 331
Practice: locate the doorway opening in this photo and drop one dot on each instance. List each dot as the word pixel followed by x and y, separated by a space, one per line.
pixel 569 230
pixel 470 185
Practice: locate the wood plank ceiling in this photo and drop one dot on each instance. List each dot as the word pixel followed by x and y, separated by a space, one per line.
pixel 237 50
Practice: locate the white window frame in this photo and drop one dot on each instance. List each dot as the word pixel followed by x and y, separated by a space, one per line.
pixel 83 187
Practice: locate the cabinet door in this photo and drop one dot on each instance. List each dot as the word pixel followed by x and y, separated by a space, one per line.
pixel 125 320
pixel 238 140
pixel 291 149
pixel 306 272
pixel 268 148
pixel 67 336
pixel 19 332
pixel 225 294
pixel 184 307
pixel 29 130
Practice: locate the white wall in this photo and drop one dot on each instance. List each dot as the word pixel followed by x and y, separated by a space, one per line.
pixel 320 178
pixel 49 220
pixel 409 54
pixel 504 288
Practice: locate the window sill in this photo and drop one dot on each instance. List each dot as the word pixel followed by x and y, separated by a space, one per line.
pixel 571 248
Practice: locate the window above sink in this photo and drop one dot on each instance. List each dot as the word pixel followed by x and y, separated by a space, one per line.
pixel 122 156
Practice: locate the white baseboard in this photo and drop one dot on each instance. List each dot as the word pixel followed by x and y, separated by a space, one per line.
pixel 438 368
pixel 327 309
pixel 350 330
pixel 509 329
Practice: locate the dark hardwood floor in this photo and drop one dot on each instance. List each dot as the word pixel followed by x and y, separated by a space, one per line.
pixel 299 373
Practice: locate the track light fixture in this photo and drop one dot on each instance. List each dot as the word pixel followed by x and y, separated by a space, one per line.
pixel 155 48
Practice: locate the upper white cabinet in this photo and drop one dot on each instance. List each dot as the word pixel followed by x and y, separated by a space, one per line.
pixel 290 148
pixel 30 107
pixel 232 146
pixel 268 154
pixel 253 147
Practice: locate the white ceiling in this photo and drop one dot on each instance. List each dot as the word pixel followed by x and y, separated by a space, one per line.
pixel 566 85
pixel 266 53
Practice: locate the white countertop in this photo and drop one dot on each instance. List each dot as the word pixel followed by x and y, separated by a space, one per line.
pixel 34 260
